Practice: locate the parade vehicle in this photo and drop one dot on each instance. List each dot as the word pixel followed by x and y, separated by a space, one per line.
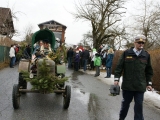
pixel 45 70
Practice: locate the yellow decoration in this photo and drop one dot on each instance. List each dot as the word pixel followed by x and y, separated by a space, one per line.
pixel 129 57
pixel 141 39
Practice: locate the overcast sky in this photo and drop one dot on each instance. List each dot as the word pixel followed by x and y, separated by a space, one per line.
pixel 33 12
pixel 37 11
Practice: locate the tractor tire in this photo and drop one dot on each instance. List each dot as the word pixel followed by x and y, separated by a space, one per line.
pixel 16 96
pixel 67 97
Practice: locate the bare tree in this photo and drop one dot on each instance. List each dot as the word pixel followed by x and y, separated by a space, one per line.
pixel 28 32
pixel 104 16
pixel 147 22
pixel 87 40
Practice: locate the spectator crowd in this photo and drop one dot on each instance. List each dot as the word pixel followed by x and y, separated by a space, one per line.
pixel 15 50
pixel 91 59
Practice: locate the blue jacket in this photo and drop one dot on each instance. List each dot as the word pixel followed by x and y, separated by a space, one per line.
pixel 77 57
pixel 109 60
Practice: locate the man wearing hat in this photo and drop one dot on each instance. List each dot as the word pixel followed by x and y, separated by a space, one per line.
pixel 135 66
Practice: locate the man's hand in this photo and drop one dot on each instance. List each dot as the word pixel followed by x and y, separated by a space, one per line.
pixel 149 88
pixel 116 83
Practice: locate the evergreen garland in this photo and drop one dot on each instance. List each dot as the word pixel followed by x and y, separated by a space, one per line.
pixel 58 55
pixel 45 82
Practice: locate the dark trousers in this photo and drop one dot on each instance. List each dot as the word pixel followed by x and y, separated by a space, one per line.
pixel 97 71
pixel 109 70
pixel 85 62
pixel 76 66
pixel 69 62
pixel 12 61
pixel 138 107
pixel 80 63
pixel 92 65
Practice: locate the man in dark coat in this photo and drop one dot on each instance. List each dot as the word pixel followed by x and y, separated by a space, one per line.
pixel 27 52
pixel 135 64
pixel 70 54
pixel 76 60
pixel 85 57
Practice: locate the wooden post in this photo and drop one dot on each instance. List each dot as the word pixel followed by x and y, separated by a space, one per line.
pixel 63 35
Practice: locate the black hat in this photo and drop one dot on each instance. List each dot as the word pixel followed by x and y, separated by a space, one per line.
pixel 46 40
pixel 97 54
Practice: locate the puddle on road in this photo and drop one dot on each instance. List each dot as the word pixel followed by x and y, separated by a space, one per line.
pixel 82 96
pixel 87 99
pixel 90 101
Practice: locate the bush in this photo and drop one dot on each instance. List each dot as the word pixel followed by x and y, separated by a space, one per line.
pixel 117 55
pixel 155 61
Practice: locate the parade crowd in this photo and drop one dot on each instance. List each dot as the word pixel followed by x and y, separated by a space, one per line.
pixel 13 54
pixel 91 59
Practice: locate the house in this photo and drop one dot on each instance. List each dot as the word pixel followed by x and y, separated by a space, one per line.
pixel 6 27
pixel 6 22
pixel 57 28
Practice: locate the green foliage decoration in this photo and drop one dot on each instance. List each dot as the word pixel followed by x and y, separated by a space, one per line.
pixel 45 82
pixel 58 55
pixel 20 52
pixel 64 53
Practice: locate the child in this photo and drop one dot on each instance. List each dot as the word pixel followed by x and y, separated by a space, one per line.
pixel 97 64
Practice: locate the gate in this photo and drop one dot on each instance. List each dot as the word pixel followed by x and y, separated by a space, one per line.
pixel 4 54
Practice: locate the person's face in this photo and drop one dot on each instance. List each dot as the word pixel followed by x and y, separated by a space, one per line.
pixel 139 45
pixel 41 43
pixel 46 45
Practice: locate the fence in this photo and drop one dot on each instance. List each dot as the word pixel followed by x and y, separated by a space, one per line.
pixel 4 54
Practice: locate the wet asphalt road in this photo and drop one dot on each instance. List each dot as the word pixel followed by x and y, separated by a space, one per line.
pixel 90 100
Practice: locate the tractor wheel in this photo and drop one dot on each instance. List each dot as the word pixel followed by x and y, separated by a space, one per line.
pixel 22 82
pixel 16 96
pixel 67 97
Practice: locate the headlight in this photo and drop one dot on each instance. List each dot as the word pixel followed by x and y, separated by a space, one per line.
pixel 60 76
pixel 31 75
pixel 61 61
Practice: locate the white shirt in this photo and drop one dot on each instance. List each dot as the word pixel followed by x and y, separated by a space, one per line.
pixel 104 55
pixel 137 52
pixel 93 55
pixel 12 52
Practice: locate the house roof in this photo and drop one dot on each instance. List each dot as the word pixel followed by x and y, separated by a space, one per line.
pixel 5 13
pixel 52 22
